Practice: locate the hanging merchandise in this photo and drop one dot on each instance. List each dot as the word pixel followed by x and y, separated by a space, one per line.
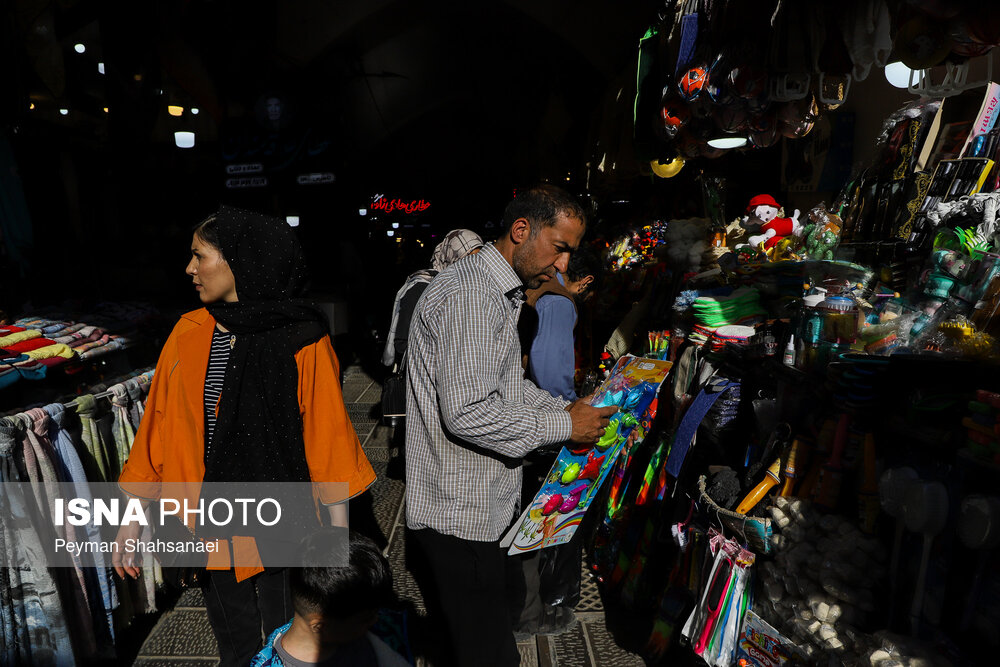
pixel 68 443
pixel 713 627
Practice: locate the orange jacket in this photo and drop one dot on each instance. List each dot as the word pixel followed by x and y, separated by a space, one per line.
pixel 169 445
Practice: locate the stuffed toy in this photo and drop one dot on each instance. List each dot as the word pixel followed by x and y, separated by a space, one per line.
pixel 763 223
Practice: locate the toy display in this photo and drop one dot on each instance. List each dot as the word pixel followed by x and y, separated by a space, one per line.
pixel 557 509
pixel 763 224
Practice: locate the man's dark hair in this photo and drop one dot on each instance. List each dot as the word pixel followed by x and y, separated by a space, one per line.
pixel 339 592
pixel 541 206
pixel 582 263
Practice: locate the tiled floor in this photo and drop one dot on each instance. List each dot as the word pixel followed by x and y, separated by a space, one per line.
pixel 183 638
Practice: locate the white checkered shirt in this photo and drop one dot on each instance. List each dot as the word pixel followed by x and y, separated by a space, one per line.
pixel 470 413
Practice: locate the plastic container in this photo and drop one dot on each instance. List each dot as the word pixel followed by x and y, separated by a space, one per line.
pixel 840 320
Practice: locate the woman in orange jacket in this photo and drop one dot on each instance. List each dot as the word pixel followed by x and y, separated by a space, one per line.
pixel 246 390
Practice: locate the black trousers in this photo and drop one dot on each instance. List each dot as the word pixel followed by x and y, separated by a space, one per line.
pixel 244 613
pixel 472 590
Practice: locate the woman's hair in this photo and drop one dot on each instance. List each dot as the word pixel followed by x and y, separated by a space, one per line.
pixel 338 592
pixel 207 231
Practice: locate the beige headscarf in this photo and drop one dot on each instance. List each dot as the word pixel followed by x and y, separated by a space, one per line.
pixel 456 244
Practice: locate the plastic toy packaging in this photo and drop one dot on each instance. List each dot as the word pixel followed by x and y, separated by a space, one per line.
pixel 579 470
pixel 821 233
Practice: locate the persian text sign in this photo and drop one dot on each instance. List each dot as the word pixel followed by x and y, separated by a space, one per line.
pixel 383 203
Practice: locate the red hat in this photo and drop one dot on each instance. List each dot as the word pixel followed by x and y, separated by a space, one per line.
pixel 762 200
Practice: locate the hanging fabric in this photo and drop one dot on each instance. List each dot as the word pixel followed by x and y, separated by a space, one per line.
pixel 122 429
pixel 39 631
pixel 34 424
pixel 95 459
pixel 102 590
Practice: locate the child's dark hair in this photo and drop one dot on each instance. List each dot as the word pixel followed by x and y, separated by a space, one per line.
pixel 582 263
pixel 338 592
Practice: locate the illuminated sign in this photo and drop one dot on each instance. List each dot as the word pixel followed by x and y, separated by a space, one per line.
pixel 315 178
pixel 386 205
pixel 250 168
pixel 247 182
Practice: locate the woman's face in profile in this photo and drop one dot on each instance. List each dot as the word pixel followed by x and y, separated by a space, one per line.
pixel 210 273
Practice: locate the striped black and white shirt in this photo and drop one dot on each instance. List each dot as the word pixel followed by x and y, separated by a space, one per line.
pixel 470 413
pixel 218 359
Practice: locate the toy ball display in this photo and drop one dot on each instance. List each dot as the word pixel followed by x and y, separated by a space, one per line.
pixel 764 138
pixel 692 83
pixel 674 114
pixel 748 81
pixel 731 119
pixel 797 119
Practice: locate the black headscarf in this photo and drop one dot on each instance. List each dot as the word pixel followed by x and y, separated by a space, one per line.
pixel 258 431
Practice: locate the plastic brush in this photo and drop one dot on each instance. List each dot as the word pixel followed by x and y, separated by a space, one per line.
pixel 926 510
pixel 770 481
pixel 979 530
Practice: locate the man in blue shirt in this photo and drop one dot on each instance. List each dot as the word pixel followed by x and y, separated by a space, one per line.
pixel 552 360
pixel 552 575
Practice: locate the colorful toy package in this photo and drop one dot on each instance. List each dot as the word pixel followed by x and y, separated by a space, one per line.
pixel 558 508
pixel 763 646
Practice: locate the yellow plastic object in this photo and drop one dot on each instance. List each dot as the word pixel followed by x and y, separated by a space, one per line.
pixel 790 475
pixel 769 482
pixel 956 329
pixel 667 169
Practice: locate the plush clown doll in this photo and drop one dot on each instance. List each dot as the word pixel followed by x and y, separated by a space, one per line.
pixel 762 215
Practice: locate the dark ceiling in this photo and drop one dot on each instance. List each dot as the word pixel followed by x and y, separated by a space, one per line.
pixel 455 103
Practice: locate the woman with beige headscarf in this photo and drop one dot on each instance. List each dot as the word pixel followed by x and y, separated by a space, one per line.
pixel 456 244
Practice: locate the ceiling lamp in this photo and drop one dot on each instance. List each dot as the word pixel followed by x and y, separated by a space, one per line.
pixel 898 74
pixel 727 142
pixel 184 139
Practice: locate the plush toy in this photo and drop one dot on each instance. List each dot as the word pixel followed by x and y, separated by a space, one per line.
pixel 766 227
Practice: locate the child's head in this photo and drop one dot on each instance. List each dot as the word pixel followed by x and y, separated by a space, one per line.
pixel 339 604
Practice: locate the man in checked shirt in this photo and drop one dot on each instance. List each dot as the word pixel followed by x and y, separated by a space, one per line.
pixel 471 416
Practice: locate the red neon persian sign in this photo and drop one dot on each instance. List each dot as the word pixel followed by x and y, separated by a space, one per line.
pixel 383 203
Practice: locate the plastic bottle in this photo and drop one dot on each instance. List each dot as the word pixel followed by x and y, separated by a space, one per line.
pixel 789 358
